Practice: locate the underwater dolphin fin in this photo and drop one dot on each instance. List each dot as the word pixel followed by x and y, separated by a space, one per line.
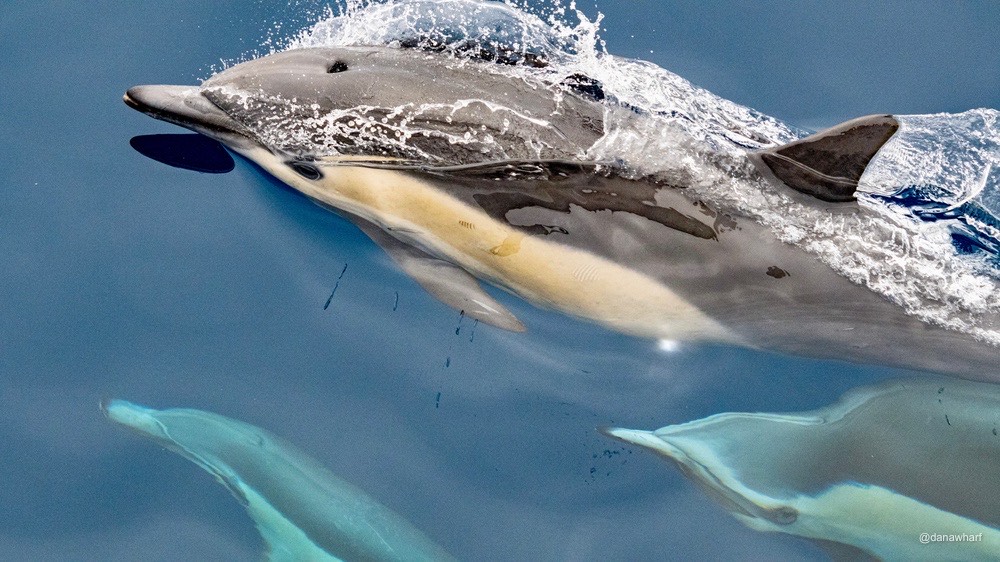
pixel 444 280
pixel 828 164
pixel 302 510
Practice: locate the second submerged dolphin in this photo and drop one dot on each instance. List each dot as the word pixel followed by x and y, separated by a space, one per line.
pixel 303 511
pixel 903 471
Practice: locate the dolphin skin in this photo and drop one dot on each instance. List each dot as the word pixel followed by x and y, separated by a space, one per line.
pixel 463 173
pixel 303 511
pixel 871 473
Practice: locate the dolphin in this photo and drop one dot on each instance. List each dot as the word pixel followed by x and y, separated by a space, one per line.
pixel 871 473
pixel 465 174
pixel 303 511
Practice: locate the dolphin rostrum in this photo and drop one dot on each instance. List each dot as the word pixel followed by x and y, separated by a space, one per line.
pixel 462 172
pixel 303 511
pixel 902 471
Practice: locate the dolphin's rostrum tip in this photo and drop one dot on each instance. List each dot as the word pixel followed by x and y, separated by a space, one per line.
pixel 133 416
pixel 634 436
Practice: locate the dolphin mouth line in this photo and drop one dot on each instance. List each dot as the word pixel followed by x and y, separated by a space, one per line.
pixel 186 107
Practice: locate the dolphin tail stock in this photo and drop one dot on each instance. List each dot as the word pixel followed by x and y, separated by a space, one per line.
pixel 828 164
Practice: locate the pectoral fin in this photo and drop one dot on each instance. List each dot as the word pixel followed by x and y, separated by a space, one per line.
pixel 446 281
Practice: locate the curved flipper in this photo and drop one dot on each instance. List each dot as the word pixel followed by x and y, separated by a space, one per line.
pixel 829 164
pixel 445 281
pixel 303 511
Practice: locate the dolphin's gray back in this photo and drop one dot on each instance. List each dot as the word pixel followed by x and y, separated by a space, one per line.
pixel 451 111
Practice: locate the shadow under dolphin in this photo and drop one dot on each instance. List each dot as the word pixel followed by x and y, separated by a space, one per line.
pixel 188 152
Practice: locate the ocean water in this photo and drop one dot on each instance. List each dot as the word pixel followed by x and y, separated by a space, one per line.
pixel 231 293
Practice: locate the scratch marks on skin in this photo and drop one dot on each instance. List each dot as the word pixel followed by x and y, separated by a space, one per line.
pixel 585 273
pixel 335 286
pixel 467 224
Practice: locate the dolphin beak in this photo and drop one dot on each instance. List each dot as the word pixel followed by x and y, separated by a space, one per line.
pixel 135 417
pixel 187 107
pixel 705 472
pixel 634 436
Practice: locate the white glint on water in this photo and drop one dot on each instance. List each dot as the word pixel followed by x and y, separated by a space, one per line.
pixel 668 346
pixel 924 236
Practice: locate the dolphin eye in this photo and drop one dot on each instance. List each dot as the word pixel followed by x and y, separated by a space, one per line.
pixel 305 170
pixel 784 515
pixel 336 67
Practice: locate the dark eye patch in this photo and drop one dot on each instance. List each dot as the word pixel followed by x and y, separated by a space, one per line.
pixel 305 169
pixel 339 66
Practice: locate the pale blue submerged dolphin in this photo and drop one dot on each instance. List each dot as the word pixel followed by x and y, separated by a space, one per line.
pixel 907 470
pixel 463 173
pixel 303 511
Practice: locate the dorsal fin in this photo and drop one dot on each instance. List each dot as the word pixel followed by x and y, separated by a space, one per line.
pixel 829 164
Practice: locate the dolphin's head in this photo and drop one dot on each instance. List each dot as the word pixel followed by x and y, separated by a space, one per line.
pixel 137 418
pixel 378 103
pixel 704 459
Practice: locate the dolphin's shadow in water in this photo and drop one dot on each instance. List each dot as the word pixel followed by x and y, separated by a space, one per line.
pixel 186 151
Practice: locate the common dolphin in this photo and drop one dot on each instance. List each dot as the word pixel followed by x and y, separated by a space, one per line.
pixel 462 172
pixel 303 511
pixel 902 471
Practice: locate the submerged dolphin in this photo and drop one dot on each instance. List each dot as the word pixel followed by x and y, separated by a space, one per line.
pixel 303 511
pixel 872 472
pixel 462 173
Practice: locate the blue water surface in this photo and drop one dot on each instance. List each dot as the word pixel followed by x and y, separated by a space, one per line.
pixel 123 277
